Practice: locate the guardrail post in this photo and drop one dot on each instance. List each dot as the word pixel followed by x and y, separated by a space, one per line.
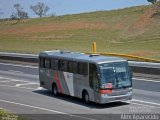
pixel 94 47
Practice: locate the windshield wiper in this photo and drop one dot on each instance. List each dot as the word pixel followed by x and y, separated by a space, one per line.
pixel 117 81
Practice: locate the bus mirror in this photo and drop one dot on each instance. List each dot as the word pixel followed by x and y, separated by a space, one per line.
pixel 98 76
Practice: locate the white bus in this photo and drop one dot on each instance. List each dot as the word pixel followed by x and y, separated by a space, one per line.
pixel 96 78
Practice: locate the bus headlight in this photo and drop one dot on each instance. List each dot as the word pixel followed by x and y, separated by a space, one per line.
pixel 130 91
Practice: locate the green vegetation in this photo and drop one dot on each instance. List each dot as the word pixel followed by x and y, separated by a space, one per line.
pixel 131 30
pixel 8 116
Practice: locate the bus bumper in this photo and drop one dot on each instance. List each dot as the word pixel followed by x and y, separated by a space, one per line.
pixel 107 99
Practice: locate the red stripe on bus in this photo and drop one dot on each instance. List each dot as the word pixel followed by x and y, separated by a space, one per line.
pixel 55 77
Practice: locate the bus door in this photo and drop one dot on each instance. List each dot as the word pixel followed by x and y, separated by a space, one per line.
pixel 44 71
pixel 41 71
pixel 94 81
pixel 47 71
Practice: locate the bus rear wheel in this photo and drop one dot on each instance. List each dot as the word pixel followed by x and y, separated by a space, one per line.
pixel 54 90
pixel 85 97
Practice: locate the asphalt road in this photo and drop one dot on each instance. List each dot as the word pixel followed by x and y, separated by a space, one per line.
pixel 20 93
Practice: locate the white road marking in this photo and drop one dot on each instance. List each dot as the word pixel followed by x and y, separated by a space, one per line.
pixel 26 105
pixel 152 103
pixel 38 88
pixel 2 78
pixel 11 81
pixel 146 80
pixel 15 79
pixel 18 65
pixel 30 83
pixel 5 81
pixel 45 109
pixel 144 105
pixel 14 71
pixel 18 87
pixel 132 102
pixel 9 78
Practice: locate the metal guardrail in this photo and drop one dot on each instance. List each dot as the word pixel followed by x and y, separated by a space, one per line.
pixel 130 57
pixel 133 57
pixel 137 67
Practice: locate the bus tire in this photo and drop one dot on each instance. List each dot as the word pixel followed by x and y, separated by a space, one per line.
pixel 54 89
pixel 85 96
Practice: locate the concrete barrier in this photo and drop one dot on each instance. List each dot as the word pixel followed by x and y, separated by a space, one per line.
pixel 145 67
pixel 31 58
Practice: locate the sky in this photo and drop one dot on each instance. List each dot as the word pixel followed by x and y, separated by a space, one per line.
pixel 63 7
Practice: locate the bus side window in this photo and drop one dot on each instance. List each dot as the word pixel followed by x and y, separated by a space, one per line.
pixel 72 67
pixel 83 68
pixel 75 67
pixel 41 62
pixel 63 65
pixel 47 63
pixel 54 64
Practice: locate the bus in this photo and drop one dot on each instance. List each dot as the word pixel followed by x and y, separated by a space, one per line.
pixel 91 77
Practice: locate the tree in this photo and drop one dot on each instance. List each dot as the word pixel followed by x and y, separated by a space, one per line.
pixel 14 16
pixel 157 8
pixel 20 14
pixel 152 1
pixel 40 9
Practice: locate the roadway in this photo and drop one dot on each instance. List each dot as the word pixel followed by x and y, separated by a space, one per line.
pixel 20 93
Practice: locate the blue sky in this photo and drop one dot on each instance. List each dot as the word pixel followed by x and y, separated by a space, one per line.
pixel 62 7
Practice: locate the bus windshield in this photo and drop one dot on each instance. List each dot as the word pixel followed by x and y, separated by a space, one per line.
pixel 115 75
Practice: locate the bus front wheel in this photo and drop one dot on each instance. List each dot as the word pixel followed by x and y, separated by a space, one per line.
pixel 54 90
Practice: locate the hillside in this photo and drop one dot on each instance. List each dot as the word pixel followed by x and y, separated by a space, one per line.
pixel 134 30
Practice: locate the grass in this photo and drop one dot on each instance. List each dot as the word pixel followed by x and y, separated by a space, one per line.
pixel 8 116
pixel 130 30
